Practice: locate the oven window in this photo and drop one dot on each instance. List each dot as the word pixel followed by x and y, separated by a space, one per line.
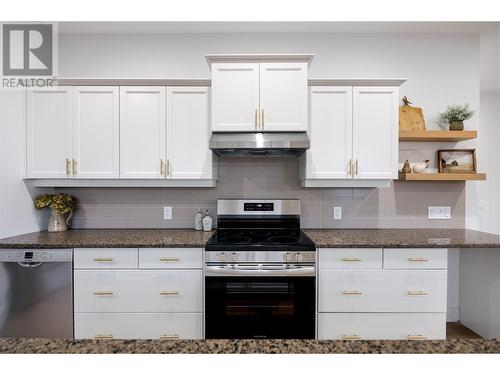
pixel 263 307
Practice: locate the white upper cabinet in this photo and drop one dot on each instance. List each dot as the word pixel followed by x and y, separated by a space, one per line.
pixel 283 96
pixel 375 132
pixel 330 132
pixel 235 96
pixel 49 146
pixel 96 132
pixel 188 133
pixel 259 92
pixel 142 132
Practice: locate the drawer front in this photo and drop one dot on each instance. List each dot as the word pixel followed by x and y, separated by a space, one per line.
pixel 138 326
pixel 171 258
pixel 382 326
pixel 105 258
pixel 382 291
pixel 138 291
pixel 415 259
pixel 350 258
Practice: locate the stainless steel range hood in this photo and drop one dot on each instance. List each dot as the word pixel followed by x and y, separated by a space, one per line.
pixel 259 144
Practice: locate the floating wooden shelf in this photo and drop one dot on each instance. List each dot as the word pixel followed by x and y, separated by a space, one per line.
pixel 442 176
pixel 436 135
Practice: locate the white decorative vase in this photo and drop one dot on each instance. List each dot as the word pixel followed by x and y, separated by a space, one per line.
pixel 57 222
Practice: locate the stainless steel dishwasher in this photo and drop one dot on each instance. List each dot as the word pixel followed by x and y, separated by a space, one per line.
pixel 36 293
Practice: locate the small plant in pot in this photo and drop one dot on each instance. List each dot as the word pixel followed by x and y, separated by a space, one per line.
pixel 455 115
pixel 60 204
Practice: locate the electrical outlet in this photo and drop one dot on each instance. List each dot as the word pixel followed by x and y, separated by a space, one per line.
pixel 167 213
pixel 337 213
pixel 439 212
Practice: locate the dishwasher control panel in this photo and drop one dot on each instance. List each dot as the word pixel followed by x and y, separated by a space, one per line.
pixel 36 256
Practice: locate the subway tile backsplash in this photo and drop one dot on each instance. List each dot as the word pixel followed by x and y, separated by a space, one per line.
pixel 403 205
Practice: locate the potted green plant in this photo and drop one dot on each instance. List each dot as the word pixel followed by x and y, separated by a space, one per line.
pixel 455 115
pixel 60 204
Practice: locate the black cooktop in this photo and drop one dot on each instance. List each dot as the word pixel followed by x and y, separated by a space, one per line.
pixel 259 239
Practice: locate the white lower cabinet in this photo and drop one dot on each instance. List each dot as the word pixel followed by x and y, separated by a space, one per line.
pixel 382 294
pixel 140 300
pixel 382 326
pixel 138 325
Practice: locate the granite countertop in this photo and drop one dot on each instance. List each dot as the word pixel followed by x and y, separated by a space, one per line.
pixel 377 238
pixel 247 346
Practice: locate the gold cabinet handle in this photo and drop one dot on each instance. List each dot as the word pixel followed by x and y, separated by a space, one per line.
pixel 100 337
pixel 416 337
pixel 256 118
pixel 169 259
pixel 349 259
pixel 418 260
pixel 103 259
pixel 350 337
pixel 162 167
pixel 352 292
pixel 169 167
pixel 417 293
pixel 67 167
pixel 349 167
pixel 169 337
pixel 73 166
pixel 103 293
pixel 262 121
pixel 169 293
pixel 356 167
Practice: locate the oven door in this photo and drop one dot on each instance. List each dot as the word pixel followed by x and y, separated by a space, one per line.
pixel 260 307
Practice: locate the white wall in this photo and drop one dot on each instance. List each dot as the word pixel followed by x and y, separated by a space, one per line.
pixel 17 215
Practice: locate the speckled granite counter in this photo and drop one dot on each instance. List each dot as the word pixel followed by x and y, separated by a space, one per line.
pixel 108 238
pixel 247 346
pixel 448 238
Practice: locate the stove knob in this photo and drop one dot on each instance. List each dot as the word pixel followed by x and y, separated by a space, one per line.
pixel 299 257
pixel 222 257
pixel 234 257
pixel 287 257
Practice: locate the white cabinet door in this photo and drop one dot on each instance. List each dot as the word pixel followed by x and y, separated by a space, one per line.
pixel 49 143
pixel 188 133
pixel 330 132
pixel 235 96
pixel 375 132
pixel 142 132
pixel 283 96
pixel 96 132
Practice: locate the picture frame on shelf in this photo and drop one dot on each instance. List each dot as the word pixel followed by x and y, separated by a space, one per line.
pixel 457 161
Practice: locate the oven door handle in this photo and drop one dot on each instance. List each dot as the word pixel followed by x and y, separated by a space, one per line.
pixel 241 271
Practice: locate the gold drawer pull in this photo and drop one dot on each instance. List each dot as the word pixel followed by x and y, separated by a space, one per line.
pixel 103 293
pixel 418 259
pixel 169 337
pixel 103 259
pixel 170 293
pixel 68 163
pixel 416 337
pixel 351 337
pixel 352 292
pixel 349 259
pixel 100 337
pixel 169 259
pixel 417 293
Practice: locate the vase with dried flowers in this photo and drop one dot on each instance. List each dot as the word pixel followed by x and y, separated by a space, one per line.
pixel 60 204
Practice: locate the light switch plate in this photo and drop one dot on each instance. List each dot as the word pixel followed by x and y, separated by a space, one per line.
pixel 167 213
pixel 337 213
pixel 439 212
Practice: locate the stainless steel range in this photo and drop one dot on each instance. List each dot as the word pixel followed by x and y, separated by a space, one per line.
pixel 260 272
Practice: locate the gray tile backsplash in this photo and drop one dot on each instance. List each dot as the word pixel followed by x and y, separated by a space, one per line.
pixel 403 205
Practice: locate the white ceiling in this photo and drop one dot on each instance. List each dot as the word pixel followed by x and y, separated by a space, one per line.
pixel 470 28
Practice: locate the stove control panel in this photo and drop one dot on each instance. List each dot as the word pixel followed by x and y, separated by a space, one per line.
pixel 256 206
pixel 260 256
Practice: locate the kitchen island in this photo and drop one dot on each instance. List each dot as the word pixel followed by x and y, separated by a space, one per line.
pixel 53 346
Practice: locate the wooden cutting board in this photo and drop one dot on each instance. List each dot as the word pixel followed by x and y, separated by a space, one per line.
pixel 411 118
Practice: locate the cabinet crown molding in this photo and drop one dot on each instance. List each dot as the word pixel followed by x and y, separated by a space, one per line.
pixel 356 81
pixel 75 81
pixel 215 58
